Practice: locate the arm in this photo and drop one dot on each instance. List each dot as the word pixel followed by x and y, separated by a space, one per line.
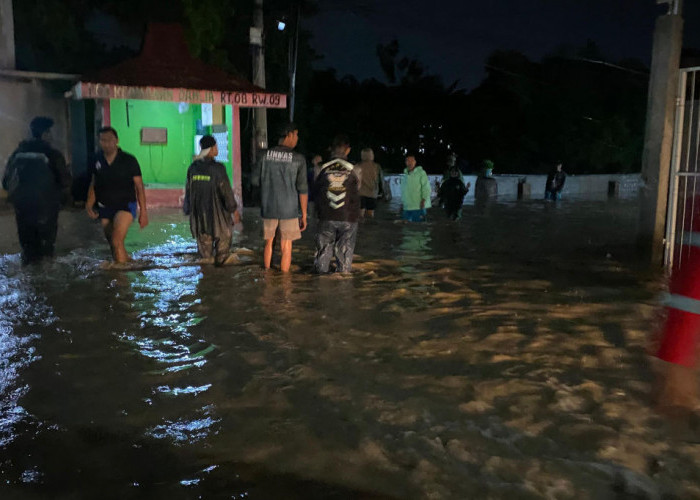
pixel 223 186
pixel 63 174
pixel 90 203
pixel 424 190
pixel 9 169
pixel 303 190
pixel 186 203
pixel 141 197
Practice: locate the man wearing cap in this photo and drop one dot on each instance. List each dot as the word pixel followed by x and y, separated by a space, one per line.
pixel 115 189
pixel 281 175
pixel 35 177
pixel 210 203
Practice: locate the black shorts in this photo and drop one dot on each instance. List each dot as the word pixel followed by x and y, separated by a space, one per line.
pixel 367 203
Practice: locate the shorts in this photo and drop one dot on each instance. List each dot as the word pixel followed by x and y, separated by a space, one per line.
pixel 367 203
pixel 109 213
pixel 289 229
pixel 414 215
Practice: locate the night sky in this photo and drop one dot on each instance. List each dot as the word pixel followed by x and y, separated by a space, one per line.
pixel 453 38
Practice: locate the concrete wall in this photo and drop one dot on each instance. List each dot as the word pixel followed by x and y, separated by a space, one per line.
pixel 576 185
pixel 21 99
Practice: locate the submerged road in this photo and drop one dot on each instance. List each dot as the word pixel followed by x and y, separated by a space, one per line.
pixel 501 356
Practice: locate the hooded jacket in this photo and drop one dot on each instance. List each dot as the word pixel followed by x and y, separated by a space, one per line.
pixel 337 192
pixel 209 199
pixel 415 187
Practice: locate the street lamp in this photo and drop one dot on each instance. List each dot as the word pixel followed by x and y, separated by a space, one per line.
pixel 292 57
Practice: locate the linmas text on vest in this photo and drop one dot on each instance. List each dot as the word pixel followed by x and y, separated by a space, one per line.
pixel 280 156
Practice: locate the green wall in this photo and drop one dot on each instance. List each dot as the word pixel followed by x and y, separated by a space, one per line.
pixel 162 164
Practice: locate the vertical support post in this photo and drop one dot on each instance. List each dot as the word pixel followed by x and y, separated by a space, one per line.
pixel 7 35
pixel 672 210
pixel 656 159
pixel 236 155
pixel 258 46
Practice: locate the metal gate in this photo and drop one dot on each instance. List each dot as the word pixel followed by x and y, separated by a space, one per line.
pixel 683 214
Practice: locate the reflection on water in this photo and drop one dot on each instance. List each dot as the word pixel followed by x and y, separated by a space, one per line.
pixel 498 356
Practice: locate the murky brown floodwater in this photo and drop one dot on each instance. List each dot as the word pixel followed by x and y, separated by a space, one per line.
pixel 498 357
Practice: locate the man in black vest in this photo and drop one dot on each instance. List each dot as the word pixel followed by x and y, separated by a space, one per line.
pixel 35 177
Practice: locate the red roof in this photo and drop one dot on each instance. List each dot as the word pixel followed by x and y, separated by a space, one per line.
pixel 165 61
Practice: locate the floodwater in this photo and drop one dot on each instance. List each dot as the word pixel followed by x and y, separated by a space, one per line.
pixel 501 356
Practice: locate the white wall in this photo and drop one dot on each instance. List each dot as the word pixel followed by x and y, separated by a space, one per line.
pixel 576 185
pixel 21 99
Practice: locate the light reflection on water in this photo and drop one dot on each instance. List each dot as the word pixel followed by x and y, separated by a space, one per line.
pixel 455 354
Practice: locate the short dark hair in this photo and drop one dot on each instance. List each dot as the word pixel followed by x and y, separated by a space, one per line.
pixel 105 130
pixel 340 141
pixel 411 152
pixel 39 125
pixel 285 129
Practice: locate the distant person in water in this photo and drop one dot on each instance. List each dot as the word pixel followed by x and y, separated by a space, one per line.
pixel 451 194
pixel 555 183
pixel 210 203
pixel 116 195
pixel 371 182
pixel 486 185
pixel 415 190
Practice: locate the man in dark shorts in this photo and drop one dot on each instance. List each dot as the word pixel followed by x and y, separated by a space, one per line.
pixel 115 190
pixel 210 203
pixel 371 182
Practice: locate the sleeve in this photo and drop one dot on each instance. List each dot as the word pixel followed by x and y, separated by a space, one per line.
pixel 9 168
pixel 563 180
pixel 257 169
pixel 425 187
pixel 135 167
pixel 63 174
pixel 380 180
pixel 302 186
pixel 404 194
pixel 186 203
pixel 223 186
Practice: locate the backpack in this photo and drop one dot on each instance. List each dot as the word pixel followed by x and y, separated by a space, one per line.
pixel 22 170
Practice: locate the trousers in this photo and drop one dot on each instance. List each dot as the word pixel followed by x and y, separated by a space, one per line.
pixel 335 239
pixel 37 229
pixel 218 248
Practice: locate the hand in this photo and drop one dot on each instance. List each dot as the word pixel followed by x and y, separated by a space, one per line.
pixel 422 204
pixel 92 213
pixel 143 219
pixel 302 222
pixel 236 217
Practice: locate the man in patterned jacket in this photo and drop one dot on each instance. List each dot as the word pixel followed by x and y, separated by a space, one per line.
pixel 337 195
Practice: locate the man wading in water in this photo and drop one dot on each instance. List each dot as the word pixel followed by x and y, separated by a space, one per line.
pixel 210 203
pixel 115 188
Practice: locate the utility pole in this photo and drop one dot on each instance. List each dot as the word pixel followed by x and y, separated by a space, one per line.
pixel 293 57
pixel 257 37
pixel 7 35
pixel 658 138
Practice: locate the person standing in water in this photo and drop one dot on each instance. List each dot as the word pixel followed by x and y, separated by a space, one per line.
pixel 210 203
pixel 116 193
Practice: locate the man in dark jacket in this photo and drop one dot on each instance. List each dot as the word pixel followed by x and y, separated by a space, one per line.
pixel 35 177
pixel 337 195
pixel 281 175
pixel 452 192
pixel 555 183
pixel 210 203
